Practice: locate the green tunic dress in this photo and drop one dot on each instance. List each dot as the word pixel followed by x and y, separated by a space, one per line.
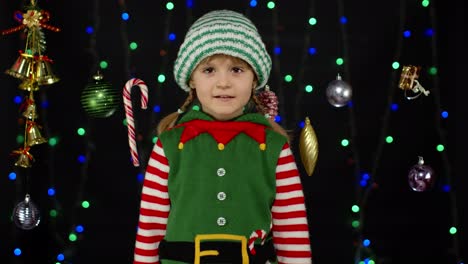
pixel 222 177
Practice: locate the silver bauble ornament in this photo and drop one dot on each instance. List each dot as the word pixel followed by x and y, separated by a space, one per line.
pixel 421 177
pixel 26 215
pixel 338 92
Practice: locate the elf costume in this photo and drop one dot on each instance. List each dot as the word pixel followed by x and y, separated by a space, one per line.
pixel 222 191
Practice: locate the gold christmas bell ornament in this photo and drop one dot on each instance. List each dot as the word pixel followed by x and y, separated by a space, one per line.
pixel 24 158
pixel 43 71
pixel 308 147
pixel 23 161
pixel 34 136
pixel 30 112
pixel 23 66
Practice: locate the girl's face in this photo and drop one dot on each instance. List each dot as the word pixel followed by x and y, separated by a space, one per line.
pixel 223 85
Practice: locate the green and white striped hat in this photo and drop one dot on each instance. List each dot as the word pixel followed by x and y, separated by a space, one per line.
pixel 222 32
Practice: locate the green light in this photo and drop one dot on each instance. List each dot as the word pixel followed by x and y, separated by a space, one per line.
pixel 53 213
pixel 453 230
pixel 271 5
pixel 389 139
pixel 432 70
pixel 103 64
pixel 309 88
pixel 161 78
pixel 425 3
pixel 124 122
pixel 355 208
pixel 133 46
pixel 362 262
pixel 355 224
pixel 196 108
pixel 288 78
pixel 85 204
pixel 440 147
pixel 344 142
pixel 19 139
pixel 72 237
pixel 53 141
pixel 312 21
pixel 169 6
pixel 155 139
pixel 339 61
pixel 370 262
pixel 81 131
pixel 395 65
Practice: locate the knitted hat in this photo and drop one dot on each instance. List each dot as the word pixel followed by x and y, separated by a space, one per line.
pixel 222 32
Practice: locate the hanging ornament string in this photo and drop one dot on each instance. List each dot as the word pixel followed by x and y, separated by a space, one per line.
pixel 129 113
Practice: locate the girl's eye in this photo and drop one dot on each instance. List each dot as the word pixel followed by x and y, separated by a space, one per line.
pixel 208 70
pixel 237 69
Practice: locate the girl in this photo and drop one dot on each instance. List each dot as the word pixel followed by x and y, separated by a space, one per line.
pixel 221 185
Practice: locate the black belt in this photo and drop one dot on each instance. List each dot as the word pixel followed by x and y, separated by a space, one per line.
pixel 229 252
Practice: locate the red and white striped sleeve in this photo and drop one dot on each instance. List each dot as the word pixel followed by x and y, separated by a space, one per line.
pixel 154 208
pixel 290 226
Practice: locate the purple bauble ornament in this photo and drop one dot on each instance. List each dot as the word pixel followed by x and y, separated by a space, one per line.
pixel 26 215
pixel 421 177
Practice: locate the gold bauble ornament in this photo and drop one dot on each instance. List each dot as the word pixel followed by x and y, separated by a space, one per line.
pixel 308 147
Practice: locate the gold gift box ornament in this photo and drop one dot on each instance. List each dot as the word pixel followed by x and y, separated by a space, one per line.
pixel 408 82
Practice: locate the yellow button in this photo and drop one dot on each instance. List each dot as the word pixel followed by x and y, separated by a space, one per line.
pixel 220 146
pixel 262 146
pixel 181 145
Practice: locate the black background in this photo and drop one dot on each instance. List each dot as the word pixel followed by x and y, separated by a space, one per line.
pixel 404 226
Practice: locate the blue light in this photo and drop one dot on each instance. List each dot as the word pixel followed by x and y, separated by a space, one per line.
pixel 12 176
pixel 363 183
pixel 365 176
pixel 45 104
pixel 444 114
pixel 89 30
pixel 394 107
pixel 79 228
pixel 18 99
pixel 125 16
pixel 189 3
pixel 157 109
pixel 301 124
pixel 312 51
pixel 81 158
pixel 172 36
pixel 350 104
pixel 17 251
pixel 446 188
pixel 366 242
pixel 429 32
pixel 140 177
pixel 253 3
pixel 277 119
pixel 343 20
pixel 407 34
pixel 277 50
pixel 51 192
pixel 60 257
pixel 19 16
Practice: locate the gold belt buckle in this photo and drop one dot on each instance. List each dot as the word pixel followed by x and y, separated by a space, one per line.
pixel 203 237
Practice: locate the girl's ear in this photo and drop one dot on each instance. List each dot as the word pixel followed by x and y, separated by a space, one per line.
pixel 190 84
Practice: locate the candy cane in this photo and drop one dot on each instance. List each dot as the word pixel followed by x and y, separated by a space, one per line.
pixel 256 234
pixel 129 113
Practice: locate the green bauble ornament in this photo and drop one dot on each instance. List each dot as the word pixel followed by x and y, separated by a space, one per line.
pixel 99 99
